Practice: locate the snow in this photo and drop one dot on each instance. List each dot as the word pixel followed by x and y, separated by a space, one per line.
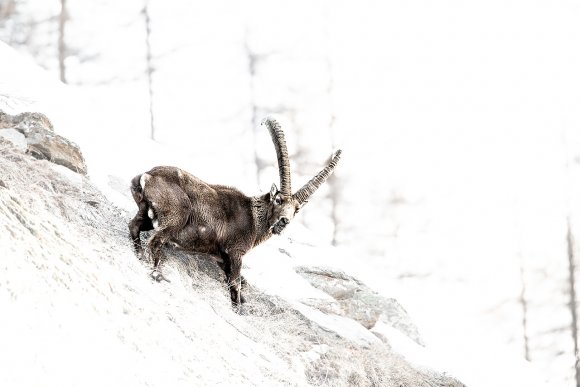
pixel 80 309
pixel 15 137
pixel 467 112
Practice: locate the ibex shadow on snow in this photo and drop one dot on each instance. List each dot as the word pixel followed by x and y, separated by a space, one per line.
pixel 216 219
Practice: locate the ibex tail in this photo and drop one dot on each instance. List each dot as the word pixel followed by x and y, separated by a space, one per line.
pixel 136 189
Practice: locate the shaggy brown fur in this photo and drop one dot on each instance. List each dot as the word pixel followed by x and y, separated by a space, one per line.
pixel 215 219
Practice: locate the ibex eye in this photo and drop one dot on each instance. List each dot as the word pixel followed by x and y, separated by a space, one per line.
pixel 278 200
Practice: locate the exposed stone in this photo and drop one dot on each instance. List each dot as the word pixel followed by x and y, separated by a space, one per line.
pixel 5 120
pixel 25 120
pixel 341 325
pixel 29 120
pixel 46 145
pixel 41 141
pixel 355 300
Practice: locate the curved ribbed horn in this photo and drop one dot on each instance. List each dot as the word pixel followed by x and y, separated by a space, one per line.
pixel 281 152
pixel 309 188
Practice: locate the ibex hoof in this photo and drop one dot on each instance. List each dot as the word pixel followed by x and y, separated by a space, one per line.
pixel 237 304
pixel 157 276
pixel 240 309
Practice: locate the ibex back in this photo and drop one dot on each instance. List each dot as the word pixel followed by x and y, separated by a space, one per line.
pixel 216 219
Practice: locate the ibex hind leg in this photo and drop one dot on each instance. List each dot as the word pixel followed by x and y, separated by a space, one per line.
pixel 169 206
pixel 140 223
pixel 171 225
pixel 160 238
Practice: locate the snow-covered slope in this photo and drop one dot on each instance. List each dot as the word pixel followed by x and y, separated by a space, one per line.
pixel 82 310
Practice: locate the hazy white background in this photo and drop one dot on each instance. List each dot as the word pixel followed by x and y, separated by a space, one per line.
pixel 459 122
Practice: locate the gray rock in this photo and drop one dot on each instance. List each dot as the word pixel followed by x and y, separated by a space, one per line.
pixel 25 121
pixel 41 140
pixel 43 144
pixel 355 300
pixel 341 325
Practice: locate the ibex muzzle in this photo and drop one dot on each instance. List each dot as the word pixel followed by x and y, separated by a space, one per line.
pixel 216 219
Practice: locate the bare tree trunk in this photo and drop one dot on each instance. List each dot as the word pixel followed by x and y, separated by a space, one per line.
pixel 7 9
pixel 333 181
pixel 572 285
pixel 61 41
pixel 524 303
pixel 252 59
pixel 149 70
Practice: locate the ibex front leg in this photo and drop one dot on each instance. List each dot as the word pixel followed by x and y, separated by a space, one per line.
pixel 155 244
pixel 141 222
pixel 233 268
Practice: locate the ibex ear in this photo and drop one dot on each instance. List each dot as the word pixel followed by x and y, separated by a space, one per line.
pixel 299 207
pixel 273 192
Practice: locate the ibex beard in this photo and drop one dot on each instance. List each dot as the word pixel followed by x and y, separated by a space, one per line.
pixel 215 219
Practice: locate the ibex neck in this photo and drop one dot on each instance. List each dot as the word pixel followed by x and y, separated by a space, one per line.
pixel 260 217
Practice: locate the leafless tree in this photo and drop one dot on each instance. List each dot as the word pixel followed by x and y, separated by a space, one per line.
pixel 524 304
pixel 16 28
pixel 7 9
pixel 333 181
pixel 149 64
pixel 573 298
pixel 62 19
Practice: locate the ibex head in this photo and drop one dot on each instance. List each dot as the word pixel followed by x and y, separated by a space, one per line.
pixel 283 204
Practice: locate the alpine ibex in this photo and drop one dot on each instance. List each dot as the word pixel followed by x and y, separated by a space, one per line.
pixel 216 219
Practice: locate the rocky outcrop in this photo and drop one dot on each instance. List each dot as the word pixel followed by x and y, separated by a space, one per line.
pixel 353 299
pixel 71 281
pixel 34 133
